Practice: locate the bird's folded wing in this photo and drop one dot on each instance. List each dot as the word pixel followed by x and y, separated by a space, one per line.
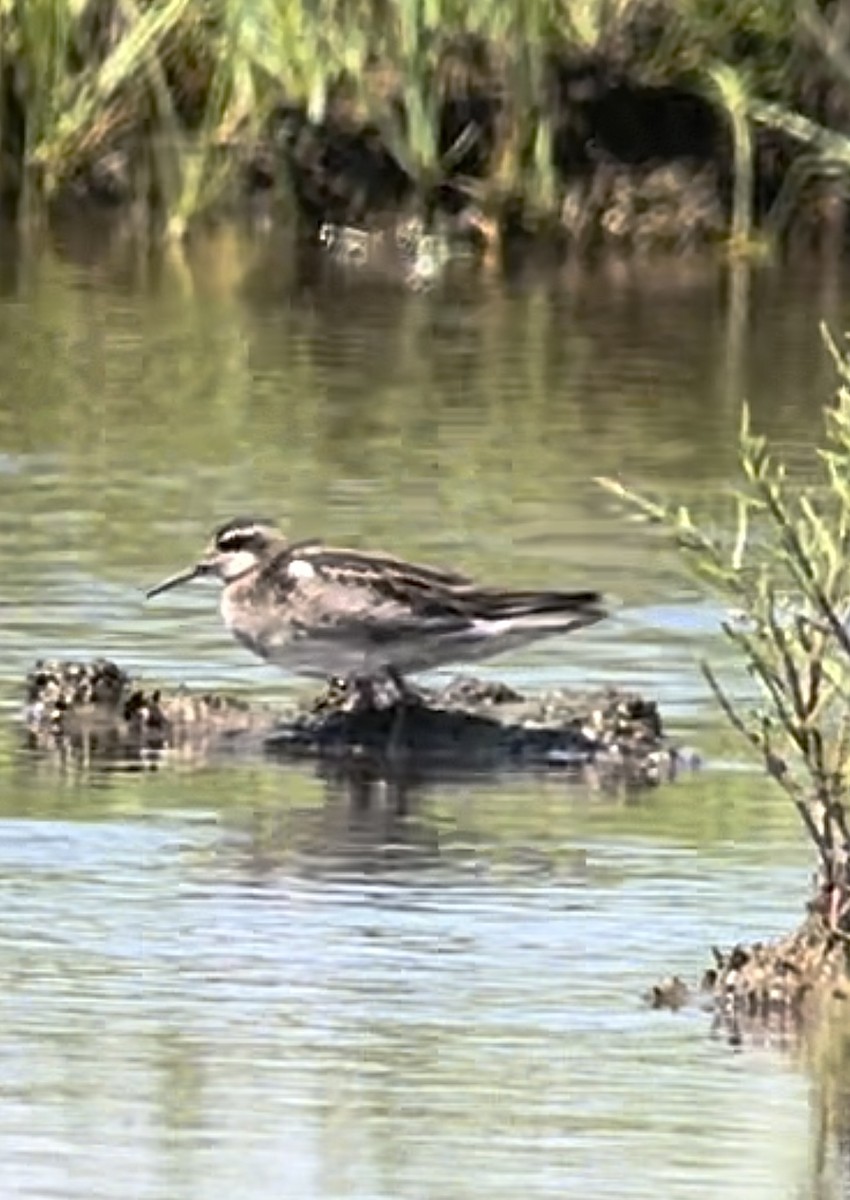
pixel 385 596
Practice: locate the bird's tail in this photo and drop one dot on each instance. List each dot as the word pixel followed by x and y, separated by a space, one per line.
pixel 543 609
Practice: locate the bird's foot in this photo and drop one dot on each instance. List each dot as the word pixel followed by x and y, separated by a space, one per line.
pixel 346 693
pixel 379 692
pixel 401 692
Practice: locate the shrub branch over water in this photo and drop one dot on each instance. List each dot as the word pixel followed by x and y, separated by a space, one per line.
pixel 784 572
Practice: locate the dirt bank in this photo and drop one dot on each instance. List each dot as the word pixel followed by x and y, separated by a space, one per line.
pixel 623 128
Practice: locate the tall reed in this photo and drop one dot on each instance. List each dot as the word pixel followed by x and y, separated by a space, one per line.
pixel 82 76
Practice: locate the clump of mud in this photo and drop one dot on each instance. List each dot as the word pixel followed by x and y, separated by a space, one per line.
pixel 610 736
pixel 771 990
pixel 790 980
pixel 674 208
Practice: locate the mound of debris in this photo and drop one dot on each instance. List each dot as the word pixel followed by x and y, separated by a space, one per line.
pixel 771 991
pixel 97 711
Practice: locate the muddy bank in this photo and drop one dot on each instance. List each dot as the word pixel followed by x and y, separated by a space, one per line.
pixel 613 133
pixel 774 991
pixel 96 712
pixel 635 170
pixel 630 150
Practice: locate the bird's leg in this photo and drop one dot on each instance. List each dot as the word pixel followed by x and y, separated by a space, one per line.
pixel 406 698
pixel 352 693
pixel 363 690
pixel 405 693
pixel 384 690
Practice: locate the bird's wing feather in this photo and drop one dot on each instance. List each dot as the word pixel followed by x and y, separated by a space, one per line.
pixel 339 586
pixel 500 604
pixel 384 569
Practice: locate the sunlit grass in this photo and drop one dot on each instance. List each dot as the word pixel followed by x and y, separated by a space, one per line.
pixel 87 76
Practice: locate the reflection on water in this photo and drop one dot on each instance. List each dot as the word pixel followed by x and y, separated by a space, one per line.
pixel 253 978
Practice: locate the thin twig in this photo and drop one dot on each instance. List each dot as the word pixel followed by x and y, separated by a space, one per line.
pixel 781 776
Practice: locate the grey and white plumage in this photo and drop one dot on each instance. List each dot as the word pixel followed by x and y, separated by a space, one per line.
pixel 324 611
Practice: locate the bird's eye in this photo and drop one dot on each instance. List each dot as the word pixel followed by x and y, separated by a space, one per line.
pixel 232 543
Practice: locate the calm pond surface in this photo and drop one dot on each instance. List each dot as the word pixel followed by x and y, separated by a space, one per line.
pixel 228 979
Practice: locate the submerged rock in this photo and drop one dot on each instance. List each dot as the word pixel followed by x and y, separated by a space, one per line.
pixel 672 993
pixel 405 250
pixel 99 710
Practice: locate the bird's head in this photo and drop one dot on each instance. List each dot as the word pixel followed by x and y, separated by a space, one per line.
pixel 234 549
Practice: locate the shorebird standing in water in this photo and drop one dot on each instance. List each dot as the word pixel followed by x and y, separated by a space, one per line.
pixel 321 611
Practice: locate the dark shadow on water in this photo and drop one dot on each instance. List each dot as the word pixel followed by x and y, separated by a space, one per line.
pixel 372 831
pixel 363 830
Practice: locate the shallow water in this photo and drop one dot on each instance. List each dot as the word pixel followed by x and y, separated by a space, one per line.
pixel 243 978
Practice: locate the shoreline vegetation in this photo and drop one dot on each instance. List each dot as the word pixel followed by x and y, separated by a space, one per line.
pixel 400 128
pixel 778 559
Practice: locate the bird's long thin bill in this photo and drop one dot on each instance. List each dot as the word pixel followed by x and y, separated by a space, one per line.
pixel 174 581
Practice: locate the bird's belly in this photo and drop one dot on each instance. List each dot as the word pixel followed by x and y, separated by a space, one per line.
pixel 323 657
pixel 294 650
pixel 316 658
pixel 320 652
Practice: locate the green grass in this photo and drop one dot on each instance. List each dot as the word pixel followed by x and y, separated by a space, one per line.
pixel 186 83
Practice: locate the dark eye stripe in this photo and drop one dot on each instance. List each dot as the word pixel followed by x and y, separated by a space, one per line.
pixel 236 541
pixel 240 528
